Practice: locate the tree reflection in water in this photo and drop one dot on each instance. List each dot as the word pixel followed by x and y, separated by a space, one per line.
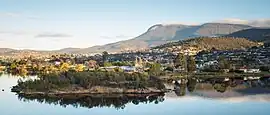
pixel 219 84
pixel 98 100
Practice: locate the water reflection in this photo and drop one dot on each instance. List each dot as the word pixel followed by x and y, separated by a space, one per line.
pixel 98 100
pixel 214 88
pixel 221 85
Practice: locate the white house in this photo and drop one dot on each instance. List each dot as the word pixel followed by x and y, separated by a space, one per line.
pixel 250 70
pixel 253 71
pixel 128 68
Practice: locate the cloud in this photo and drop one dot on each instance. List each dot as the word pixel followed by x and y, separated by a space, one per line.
pixel 52 35
pixel 233 21
pixel 255 23
pixel 18 15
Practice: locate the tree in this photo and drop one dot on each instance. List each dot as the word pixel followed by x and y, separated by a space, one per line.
pixel 155 69
pixel 191 64
pixel 223 63
pixel 13 65
pixel 180 61
pixel 64 67
pixel 105 55
pixel 79 68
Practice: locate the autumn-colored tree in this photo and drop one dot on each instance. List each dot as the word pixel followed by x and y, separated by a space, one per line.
pixel 64 66
pixel 79 67
pixel 92 64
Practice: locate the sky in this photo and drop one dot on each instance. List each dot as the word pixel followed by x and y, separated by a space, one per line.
pixel 56 24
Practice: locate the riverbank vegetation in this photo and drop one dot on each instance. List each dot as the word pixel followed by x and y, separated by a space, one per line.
pixel 90 82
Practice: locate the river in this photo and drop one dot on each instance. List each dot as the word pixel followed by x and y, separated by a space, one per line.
pixel 247 99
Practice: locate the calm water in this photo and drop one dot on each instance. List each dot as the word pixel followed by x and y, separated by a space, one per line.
pixel 248 98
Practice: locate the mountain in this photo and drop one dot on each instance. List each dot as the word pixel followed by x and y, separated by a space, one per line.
pixel 254 34
pixel 163 33
pixel 159 34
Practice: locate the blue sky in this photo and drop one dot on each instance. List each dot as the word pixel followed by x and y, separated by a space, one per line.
pixel 55 24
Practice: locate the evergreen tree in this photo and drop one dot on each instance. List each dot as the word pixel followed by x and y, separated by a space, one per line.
pixel 105 55
pixel 180 61
pixel 223 63
pixel 191 64
pixel 155 69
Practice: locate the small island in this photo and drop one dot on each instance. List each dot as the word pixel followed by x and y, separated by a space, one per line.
pixel 91 82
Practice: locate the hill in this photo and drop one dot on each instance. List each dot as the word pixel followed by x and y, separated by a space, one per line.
pixel 207 43
pixel 254 34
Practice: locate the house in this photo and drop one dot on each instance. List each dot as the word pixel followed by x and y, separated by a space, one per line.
pixel 128 68
pixel 253 71
pixel 245 70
